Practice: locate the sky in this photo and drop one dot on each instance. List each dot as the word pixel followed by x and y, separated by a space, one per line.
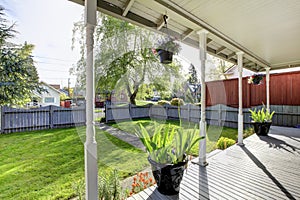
pixel 48 25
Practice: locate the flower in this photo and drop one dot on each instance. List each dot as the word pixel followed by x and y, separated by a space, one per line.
pixel 168 44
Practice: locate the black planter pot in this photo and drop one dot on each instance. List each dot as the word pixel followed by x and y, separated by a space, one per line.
pixel 166 57
pixel 261 128
pixel 168 176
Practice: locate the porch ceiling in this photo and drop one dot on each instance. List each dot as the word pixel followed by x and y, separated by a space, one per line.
pixel 267 31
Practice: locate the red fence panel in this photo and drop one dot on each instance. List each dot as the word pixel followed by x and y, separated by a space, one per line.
pixel 284 90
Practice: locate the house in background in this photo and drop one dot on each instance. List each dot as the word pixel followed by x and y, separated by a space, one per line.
pixel 233 72
pixel 50 97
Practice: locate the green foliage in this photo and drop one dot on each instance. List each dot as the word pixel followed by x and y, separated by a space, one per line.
pixel 168 44
pixel 145 92
pixel 18 75
pixel 225 142
pixel 123 58
pixel 261 115
pixel 109 187
pixel 63 96
pixel 249 131
pixel 166 144
pixel 193 77
pixel 177 102
pixel 163 102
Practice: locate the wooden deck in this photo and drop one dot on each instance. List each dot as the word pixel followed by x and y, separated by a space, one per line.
pixel 267 167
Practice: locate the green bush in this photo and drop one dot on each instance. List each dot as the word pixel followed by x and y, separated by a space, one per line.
pixel 224 142
pixel 249 131
pixel 109 187
pixel 177 102
pixel 163 102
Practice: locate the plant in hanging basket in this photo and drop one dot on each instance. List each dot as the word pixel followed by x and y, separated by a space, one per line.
pixel 166 48
pixel 167 148
pixel 255 79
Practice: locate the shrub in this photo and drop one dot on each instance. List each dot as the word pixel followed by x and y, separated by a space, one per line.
pixel 177 102
pixel 224 142
pixel 163 102
pixel 109 187
pixel 249 131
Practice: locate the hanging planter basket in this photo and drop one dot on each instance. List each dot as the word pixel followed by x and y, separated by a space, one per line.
pixel 166 57
pixel 256 79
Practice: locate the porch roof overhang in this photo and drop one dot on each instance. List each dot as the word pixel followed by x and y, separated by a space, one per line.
pixel 268 31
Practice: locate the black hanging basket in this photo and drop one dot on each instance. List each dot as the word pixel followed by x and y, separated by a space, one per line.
pixel 261 128
pixel 166 57
pixel 257 79
pixel 168 176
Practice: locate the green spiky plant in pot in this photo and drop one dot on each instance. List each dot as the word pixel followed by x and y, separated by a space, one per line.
pixel 167 148
pixel 261 121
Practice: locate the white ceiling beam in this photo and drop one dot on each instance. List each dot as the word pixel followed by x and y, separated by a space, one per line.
pixel 128 5
pixel 232 55
pixel 187 34
pixel 220 49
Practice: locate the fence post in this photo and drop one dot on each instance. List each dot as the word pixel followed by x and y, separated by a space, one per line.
pixel 51 123
pixel 219 115
pixel 1 120
pixel 189 112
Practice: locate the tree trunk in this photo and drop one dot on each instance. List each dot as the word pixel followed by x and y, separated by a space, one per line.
pixel 133 96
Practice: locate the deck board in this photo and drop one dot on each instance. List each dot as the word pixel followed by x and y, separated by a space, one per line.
pixel 265 168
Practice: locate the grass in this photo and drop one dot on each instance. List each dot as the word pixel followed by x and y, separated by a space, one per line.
pixel 46 164
pixel 213 132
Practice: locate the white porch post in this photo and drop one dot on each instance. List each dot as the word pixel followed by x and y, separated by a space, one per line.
pixel 240 115
pixel 90 146
pixel 268 87
pixel 202 51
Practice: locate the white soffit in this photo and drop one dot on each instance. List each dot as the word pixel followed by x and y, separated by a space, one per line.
pixel 268 31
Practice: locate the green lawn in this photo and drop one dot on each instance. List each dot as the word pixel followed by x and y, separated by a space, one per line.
pixel 213 132
pixel 46 164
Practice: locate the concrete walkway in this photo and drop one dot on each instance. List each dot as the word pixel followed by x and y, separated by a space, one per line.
pixel 122 135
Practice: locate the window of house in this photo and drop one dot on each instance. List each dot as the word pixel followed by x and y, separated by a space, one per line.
pixel 49 99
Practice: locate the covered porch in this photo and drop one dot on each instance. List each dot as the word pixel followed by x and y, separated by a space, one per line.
pixel 267 167
pixel 258 35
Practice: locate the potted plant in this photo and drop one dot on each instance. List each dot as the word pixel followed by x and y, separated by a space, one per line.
pixel 166 48
pixel 167 148
pixel 255 79
pixel 261 121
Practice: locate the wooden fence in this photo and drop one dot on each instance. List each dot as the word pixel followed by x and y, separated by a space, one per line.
pixel 284 90
pixel 15 120
pixel 219 115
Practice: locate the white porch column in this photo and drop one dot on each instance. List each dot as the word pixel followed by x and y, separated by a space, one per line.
pixel 202 50
pixel 268 87
pixel 90 146
pixel 240 115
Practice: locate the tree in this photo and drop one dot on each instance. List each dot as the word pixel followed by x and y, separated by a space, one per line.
pixel 193 76
pixel 124 59
pixel 18 75
pixel 219 73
